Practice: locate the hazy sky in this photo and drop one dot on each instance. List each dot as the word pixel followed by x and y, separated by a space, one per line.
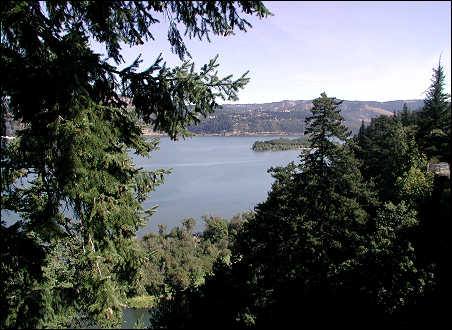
pixel 351 50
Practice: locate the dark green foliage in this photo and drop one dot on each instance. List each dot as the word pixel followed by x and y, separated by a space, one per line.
pixel 408 117
pixel 21 260
pixel 181 259
pixel 332 247
pixel 404 171
pixel 354 234
pixel 217 303
pixel 306 239
pixel 178 263
pixel 220 124
pixel 387 151
pixel 434 133
pixel 322 250
pixel 432 245
pixel 80 202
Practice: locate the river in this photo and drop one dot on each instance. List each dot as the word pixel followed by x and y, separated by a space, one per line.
pixel 213 175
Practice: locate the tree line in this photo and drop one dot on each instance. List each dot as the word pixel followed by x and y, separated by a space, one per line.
pixel 355 234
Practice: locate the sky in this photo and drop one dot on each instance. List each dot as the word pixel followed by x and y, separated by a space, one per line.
pixel 367 51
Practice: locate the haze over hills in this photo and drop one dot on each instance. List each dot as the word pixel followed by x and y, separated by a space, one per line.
pixel 287 117
pixel 276 118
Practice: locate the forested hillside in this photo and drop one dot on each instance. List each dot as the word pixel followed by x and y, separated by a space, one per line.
pixel 287 117
pixel 278 118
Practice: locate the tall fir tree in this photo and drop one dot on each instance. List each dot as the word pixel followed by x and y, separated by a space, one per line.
pixel 434 133
pixel 404 116
pixel 320 251
pixel 308 233
pixel 68 174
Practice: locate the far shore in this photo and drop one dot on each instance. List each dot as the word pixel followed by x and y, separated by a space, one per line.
pixel 232 134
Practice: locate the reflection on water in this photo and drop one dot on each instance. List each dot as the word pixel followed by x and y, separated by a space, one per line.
pixel 135 318
pixel 200 163
pixel 212 175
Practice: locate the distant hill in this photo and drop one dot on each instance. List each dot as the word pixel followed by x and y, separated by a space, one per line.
pixel 287 117
pixel 275 118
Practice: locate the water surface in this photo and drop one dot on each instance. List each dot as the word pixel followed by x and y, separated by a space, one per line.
pixel 212 175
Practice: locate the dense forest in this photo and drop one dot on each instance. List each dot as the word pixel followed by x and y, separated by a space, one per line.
pixel 354 234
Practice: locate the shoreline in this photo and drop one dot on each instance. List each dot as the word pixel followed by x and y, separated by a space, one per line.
pixel 230 134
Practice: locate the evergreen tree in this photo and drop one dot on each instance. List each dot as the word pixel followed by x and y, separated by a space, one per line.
pixel 404 116
pixel 68 174
pixel 309 232
pixel 435 119
pixel 386 150
pixel 321 250
pixel 290 257
pixel 361 130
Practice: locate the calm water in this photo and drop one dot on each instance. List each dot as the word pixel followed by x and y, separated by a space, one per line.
pixel 135 318
pixel 212 175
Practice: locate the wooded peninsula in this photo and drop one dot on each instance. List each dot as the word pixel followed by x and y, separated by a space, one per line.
pixel 282 144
